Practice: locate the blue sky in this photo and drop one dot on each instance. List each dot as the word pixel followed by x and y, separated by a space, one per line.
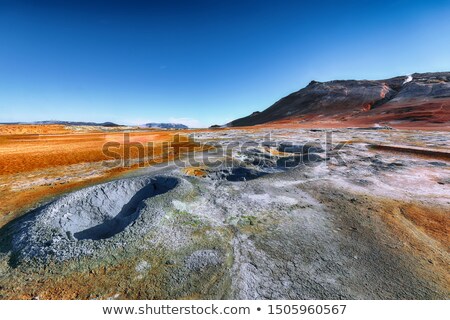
pixel 201 62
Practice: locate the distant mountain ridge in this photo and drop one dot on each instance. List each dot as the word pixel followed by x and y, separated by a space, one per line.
pixel 69 123
pixel 420 98
pixel 166 125
pixel 79 123
pixel 103 124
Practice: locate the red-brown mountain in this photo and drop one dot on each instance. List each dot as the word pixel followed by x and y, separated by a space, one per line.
pixel 421 99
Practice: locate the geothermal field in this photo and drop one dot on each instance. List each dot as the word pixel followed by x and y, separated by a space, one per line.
pixel 277 211
pixel 224 159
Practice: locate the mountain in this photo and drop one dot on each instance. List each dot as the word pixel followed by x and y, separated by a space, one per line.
pixel 80 123
pixel 420 99
pixel 166 125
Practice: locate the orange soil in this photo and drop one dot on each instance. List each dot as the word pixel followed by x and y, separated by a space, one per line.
pixel 424 231
pixel 42 151
pixel 31 166
pixel 33 129
pixel 434 223
pixel 195 171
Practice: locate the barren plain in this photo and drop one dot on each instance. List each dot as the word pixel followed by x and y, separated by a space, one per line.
pixel 265 212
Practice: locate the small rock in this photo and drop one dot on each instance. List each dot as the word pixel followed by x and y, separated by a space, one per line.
pixel 142 266
pixel 201 259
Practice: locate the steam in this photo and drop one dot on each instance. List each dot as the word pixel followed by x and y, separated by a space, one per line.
pixel 408 79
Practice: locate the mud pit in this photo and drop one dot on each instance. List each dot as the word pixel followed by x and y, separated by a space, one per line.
pixel 108 209
pixel 68 226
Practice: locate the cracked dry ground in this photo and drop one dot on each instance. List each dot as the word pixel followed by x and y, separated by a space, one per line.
pixel 374 226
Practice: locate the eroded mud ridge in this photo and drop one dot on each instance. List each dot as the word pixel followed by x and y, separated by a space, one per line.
pixel 283 220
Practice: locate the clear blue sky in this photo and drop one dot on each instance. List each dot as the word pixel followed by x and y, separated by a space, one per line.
pixel 201 62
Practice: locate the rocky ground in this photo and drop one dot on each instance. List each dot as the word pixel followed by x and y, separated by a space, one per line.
pixel 279 214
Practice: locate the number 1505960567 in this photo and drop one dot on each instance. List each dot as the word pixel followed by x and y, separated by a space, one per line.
pixel 306 309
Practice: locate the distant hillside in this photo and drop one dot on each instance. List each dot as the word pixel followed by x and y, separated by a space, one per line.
pixel 166 125
pixel 419 99
pixel 78 123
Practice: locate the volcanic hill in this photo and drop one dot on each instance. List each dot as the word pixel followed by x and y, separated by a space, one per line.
pixel 418 100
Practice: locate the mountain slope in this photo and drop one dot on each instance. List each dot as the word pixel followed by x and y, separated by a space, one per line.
pixel 419 98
